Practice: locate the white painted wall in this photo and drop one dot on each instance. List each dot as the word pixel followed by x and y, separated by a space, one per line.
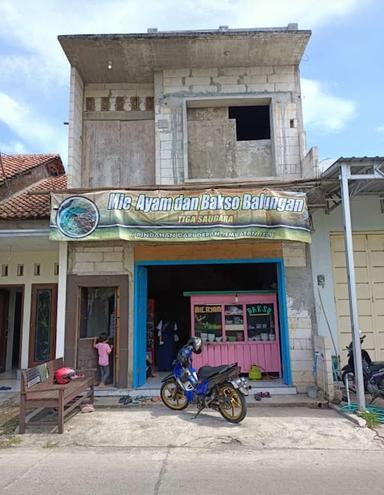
pixel 61 298
pixel 366 216
pixel 47 260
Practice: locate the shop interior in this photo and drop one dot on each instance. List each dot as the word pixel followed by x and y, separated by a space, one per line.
pixel 168 316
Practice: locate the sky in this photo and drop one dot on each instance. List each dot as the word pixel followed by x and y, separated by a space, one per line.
pixel 342 69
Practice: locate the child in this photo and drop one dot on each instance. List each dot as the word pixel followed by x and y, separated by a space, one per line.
pixel 103 350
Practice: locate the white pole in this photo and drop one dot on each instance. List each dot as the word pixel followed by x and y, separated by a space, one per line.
pixel 345 172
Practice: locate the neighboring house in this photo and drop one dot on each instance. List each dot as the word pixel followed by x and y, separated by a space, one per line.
pixel 169 118
pixel 329 259
pixel 28 260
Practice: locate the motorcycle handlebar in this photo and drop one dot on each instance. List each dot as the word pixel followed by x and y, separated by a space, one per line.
pixel 362 338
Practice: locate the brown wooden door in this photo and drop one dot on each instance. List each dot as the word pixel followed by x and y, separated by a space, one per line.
pixel 4 297
pixel 42 336
pixel 99 314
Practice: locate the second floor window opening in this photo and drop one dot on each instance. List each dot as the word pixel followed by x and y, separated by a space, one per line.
pixel 252 123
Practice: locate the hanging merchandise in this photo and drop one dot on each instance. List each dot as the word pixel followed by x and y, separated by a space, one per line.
pixel 112 324
pixel 150 357
pixel 167 338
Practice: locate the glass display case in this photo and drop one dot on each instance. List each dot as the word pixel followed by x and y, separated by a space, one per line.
pixel 237 327
pixel 208 323
pixel 260 322
pixel 234 322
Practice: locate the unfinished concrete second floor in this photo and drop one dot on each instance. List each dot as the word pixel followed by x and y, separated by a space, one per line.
pixel 172 108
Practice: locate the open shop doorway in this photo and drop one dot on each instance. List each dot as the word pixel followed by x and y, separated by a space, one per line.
pixel 161 288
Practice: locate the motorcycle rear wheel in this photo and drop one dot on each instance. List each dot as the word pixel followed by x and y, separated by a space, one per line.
pixel 173 396
pixel 232 403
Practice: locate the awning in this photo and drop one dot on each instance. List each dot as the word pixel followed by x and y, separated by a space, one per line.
pixel 364 177
pixel 349 177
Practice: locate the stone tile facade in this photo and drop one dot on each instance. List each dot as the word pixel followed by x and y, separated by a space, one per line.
pixel 278 84
pixel 300 308
pixel 108 258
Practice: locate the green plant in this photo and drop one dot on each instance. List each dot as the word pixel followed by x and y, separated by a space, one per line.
pixel 50 444
pixel 371 418
pixel 9 441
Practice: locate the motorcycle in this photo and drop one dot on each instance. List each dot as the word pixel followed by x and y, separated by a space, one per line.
pixel 219 388
pixel 373 373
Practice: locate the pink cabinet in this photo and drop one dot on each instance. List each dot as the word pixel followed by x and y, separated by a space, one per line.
pixel 238 327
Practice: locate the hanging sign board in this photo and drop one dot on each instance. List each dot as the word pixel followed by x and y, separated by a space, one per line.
pixel 175 216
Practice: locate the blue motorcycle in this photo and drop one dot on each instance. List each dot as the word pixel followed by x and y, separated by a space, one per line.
pixel 219 388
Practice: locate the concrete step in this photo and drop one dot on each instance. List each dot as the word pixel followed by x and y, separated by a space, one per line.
pixel 118 392
pixel 155 390
pixel 274 390
pixel 297 400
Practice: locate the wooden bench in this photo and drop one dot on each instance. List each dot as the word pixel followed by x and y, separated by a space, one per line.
pixel 38 390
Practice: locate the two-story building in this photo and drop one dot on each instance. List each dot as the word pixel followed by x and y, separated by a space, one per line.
pixel 185 212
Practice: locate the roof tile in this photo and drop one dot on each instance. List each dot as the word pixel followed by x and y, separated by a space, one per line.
pixel 30 206
pixel 10 166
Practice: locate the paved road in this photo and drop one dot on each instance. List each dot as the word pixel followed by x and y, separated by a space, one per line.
pixel 156 452
pixel 189 471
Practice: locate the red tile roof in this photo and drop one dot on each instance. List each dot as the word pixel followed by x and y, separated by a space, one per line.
pixel 10 166
pixel 32 206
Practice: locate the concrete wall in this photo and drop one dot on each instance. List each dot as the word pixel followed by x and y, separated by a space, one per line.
pixel 310 164
pixel 366 217
pixel 75 131
pixel 110 140
pixel 99 258
pixel 324 373
pixel 114 97
pixel 179 88
pixel 214 152
pixel 47 260
pixel 301 314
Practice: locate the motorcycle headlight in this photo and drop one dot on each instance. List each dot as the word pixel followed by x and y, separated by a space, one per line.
pixel 185 375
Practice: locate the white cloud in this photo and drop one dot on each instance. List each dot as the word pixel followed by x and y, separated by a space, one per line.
pixel 324 111
pixel 13 148
pixel 380 129
pixel 34 132
pixel 34 68
pixel 47 19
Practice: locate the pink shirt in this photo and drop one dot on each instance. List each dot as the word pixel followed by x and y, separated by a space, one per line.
pixel 103 350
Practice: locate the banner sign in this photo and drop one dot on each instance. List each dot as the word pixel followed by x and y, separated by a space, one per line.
pixel 178 216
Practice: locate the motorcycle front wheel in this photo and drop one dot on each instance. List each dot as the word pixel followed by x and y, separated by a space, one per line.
pixel 173 396
pixel 232 403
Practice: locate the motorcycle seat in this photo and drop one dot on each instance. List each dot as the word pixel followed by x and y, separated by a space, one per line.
pixel 376 366
pixel 206 372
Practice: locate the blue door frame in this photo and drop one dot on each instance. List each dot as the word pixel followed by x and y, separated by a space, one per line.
pixel 140 311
